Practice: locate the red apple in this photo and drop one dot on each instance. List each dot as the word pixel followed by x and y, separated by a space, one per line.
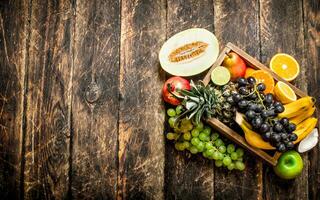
pixel 235 64
pixel 174 83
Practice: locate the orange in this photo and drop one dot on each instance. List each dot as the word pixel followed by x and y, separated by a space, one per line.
pixel 264 77
pixel 285 66
pixel 249 71
pixel 284 93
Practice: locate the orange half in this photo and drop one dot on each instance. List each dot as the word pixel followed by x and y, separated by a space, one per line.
pixel 262 76
pixel 249 71
pixel 285 66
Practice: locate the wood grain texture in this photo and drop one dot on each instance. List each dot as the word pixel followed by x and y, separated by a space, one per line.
pixel 95 99
pixel 282 31
pixel 141 140
pixel 81 114
pixel 188 177
pixel 235 23
pixel 311 13
pixel 14 26
pixel 48 101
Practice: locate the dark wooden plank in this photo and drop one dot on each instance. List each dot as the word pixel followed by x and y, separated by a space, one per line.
pixel 141 144
pixel 14 29
pixel 311 15
pixel 238 22
pixel 281 25
pixel 188 177
pixel 48 100
pixel 95 99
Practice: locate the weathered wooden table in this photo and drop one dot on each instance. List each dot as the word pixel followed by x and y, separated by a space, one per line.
pixel 81 114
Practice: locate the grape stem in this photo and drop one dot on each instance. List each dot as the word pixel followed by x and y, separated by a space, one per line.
pixel 270 121
pixel 249 94
pixel 260 99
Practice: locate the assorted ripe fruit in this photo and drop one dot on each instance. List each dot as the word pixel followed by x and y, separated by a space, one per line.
pixel 268 111
pixel 261 114
pixel 187 126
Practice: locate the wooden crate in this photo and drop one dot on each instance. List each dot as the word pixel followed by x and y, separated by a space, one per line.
pixel 228 132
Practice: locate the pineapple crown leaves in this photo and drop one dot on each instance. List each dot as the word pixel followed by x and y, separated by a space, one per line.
pixel 199 101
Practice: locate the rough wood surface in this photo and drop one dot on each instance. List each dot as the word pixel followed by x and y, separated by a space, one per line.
pixel 141 115
pixel 48 101
pixel 188 177
pixel 235 23
pixel 287 36
pixel 95 99
pixel 311 13
pixel 13 44
pixel 81 114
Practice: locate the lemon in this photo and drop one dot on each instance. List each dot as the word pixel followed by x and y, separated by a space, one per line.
pixel 284 93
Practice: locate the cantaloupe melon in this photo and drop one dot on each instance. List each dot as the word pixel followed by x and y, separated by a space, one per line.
pixel 189 52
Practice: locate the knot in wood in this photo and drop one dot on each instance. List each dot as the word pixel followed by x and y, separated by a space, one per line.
pixel 93 92
pixel 59 124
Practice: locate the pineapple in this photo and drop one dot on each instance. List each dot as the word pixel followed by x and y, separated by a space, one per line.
pixel 209 101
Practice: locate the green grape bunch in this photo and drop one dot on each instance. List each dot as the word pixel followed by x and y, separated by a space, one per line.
pixel 200 139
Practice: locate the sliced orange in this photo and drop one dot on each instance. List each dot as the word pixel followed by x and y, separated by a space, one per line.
pixel 285 66
pixel 284 93
pixel 262 76
pixel 249 71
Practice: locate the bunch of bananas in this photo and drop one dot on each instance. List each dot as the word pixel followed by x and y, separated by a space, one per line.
pixel 298 112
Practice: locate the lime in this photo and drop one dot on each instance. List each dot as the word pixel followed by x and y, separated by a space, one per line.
pixel 220 75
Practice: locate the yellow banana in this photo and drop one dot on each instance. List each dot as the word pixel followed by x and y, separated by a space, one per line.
pixel 297 107
pixel 254 139
pixel 305 123
pixel 304 128
pixel 247 124
pixel 306 114
pixel 296 113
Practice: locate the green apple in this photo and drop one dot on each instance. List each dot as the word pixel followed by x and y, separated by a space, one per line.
pixel 289 165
